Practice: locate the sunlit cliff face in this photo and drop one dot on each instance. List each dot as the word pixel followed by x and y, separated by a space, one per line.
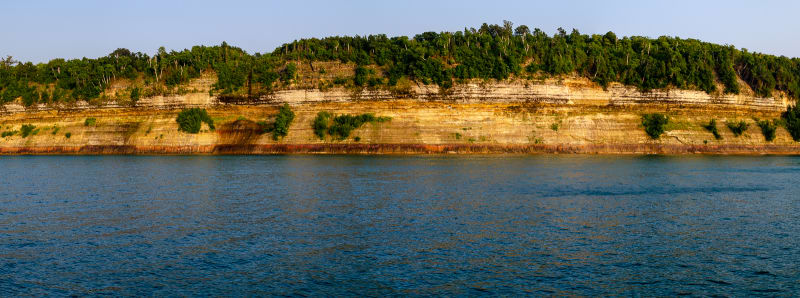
pixel 567 115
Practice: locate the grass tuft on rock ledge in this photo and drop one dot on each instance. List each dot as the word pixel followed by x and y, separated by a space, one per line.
pixel 9 133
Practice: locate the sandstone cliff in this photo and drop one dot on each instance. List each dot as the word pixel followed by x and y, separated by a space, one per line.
pixel 552 116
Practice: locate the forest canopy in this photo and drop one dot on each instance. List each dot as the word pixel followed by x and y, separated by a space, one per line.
pixel 489 52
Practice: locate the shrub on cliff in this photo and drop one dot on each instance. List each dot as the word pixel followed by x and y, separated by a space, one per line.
pixel 27 130
pixel 654 124
pixel 265 127
pixel 791 118
pixel 282 122
pixel 738 128
pixel 90 121
pixel 320 124
pixel 343 125
pixel 712 127
pixel 136 94
pixel 190 120
pixel 768 129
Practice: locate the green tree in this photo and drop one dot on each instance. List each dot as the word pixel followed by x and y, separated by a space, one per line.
pixel 792 119
pixel 282 122
pixel 190 120
pixel 320 124
pixel 654 124
pixel 289 73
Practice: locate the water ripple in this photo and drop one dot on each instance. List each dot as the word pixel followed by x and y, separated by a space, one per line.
pixel 399 226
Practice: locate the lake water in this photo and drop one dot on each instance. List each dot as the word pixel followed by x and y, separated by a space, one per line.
pixel 412 225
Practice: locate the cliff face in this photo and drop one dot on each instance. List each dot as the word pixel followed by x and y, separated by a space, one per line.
pixel 569 116
pixel 571 92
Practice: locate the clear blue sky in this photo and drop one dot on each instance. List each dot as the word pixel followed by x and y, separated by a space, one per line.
pixel 37 31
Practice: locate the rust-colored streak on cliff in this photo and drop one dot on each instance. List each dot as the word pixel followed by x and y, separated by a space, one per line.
pixel 406 149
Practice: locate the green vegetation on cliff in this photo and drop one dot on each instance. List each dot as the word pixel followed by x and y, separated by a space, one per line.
pixel 190 120
pixel 738 128
pixel 791 119
pixel 341 126
pixel 768 129
pixel 28 130
pixel 282 122
pixel 712 128
pixel 320 124
pixel 654 124
pixel 489 52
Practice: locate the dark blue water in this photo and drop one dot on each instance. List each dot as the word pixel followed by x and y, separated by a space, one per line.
pixel 348 225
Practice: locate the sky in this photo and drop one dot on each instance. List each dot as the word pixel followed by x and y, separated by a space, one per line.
pixel 39 30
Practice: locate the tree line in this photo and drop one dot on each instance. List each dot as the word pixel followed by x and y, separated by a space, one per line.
pixel 59 80
pixel 489 52
pixel 500 51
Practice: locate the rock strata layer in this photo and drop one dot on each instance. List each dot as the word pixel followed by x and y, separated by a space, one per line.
pixel 566 116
